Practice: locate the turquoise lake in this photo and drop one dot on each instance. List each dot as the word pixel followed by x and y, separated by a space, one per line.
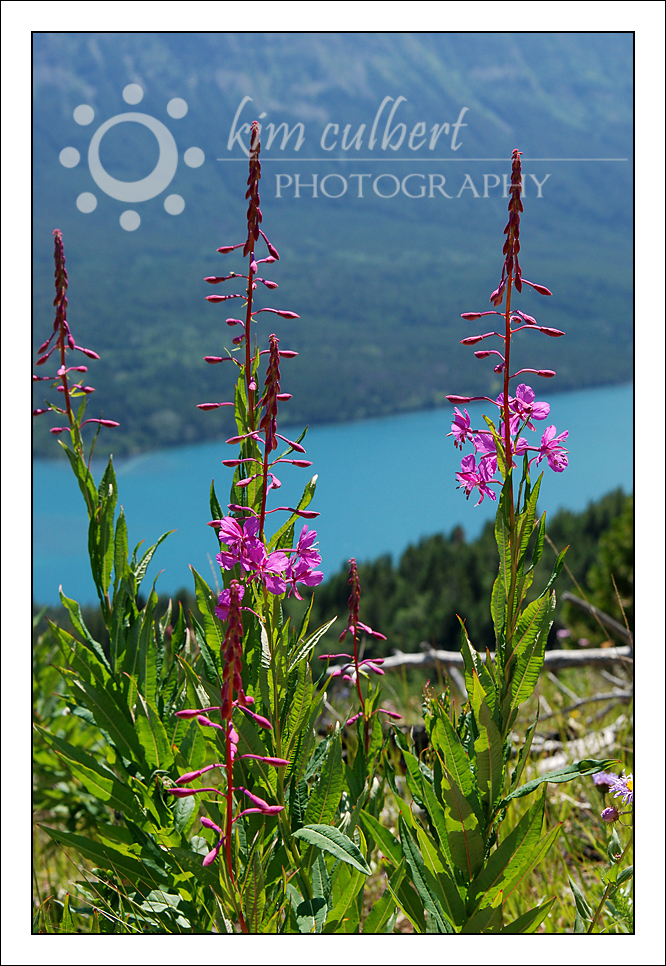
pixel 382 484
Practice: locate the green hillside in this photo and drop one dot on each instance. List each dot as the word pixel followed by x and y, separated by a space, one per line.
pixel 379 283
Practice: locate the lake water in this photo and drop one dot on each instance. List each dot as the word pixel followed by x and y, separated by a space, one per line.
pixel 383 484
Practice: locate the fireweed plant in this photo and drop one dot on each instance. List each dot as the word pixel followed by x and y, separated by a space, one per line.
pixel 225 811
pixel 462 861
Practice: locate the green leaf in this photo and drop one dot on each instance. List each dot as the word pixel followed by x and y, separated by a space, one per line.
pixel 530 646
pixel 517 884
pixel 147 650
pixel 524 752
pixel 120 551
pixel 191 745
pixel 474 665
pixel 330 839
pixel 111 718
pixel 502 537
pixel 100 530
pixel 189 863
pixel 382 910
pixel 407 899
pixel 213 639
pixel 463 832
pixel 95 776
pixel 344 915
pixel 539 542
pixel 507 861
pixel 579 769
pixel 215 508
pixel 439 879
pixel 559 563
pixel 385 839
pixel 530 921
pixel 306 647
pixel 437 817
pixel 142 566
pixel 310 914
pixel 486 920
pixel 143 874
pixel 325 797
pixel 580 900
pixel 209 664
pixel 76 618
pixel 153 737
pixel 79 657
pixel 84 478
pixel 301 702
pixel 428 895
pixel 254 898
pixel 488 747
pixel 413 777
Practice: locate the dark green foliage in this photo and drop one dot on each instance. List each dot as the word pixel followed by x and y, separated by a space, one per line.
pixel 442 576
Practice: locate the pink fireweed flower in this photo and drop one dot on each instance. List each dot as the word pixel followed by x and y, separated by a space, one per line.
pixel 269 568
pixel 471 478
pixel 242 543
pixel 300 572
pixel 461 428
pixel 552 449
pixel 305 548
pixel 525 408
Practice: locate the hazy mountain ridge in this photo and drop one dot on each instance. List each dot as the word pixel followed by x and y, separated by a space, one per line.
pixel 379 284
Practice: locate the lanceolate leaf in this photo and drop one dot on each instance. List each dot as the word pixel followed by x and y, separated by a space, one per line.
pixel 214 636
pixel 385 839
pixel 506 862
pixel 428 895
pixel 306 646
pixel 524 752
pixel 76 618
pixel 142 566
pixel 325 798
pixel 255 895
pixel 111 718
pixel 463 832
pixel 533 629
pixel 536 857
pixel 447 745
pixel 95 777
pixel 330 839
pixel 438 818
pixel 588 766
pixel 442 882
pixel 141 873
pixel 530 921
pixel 344 916
pixel 474 665
pixel 304 501
pixel 559 563
pixel 120 551
pixel 153 737
pixel 488 748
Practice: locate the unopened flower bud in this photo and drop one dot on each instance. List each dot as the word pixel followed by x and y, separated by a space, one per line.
pixel 610 814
